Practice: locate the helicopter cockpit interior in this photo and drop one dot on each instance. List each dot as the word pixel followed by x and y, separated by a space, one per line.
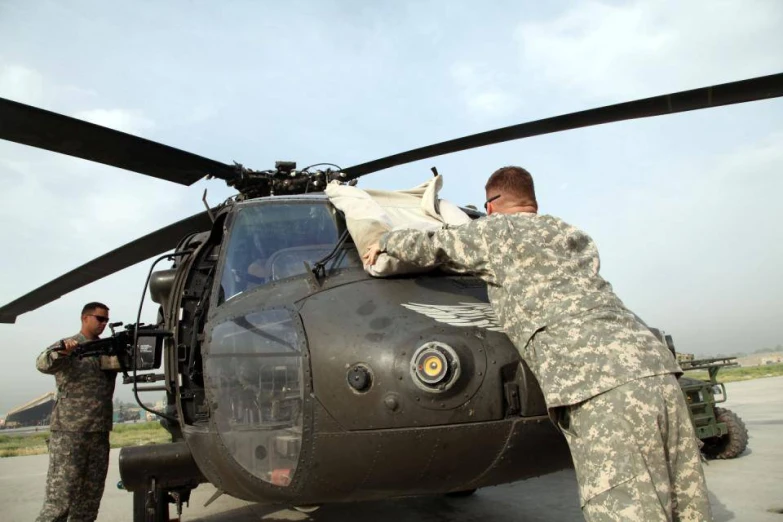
pixel 273 240
pixel 256 366
pixel 255 360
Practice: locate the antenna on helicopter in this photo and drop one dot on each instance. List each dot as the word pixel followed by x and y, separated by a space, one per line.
pixel 209 210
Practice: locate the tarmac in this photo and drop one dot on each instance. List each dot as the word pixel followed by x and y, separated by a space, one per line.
pixel 749 488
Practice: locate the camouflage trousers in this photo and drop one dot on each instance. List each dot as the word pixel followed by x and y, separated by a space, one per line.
pixel 635 454
pixel 78 462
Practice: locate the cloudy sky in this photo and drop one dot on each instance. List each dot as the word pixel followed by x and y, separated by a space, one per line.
pixel 685 209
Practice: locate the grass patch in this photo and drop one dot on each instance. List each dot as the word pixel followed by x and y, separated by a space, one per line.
pixel 137 434
pixel 733 374
pixel 16 445
pixel 122 435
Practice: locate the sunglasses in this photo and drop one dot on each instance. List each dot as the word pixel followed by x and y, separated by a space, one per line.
pixel 490 200
pixel 100 318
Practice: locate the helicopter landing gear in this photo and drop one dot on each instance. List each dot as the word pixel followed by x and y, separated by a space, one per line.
pixel 151 505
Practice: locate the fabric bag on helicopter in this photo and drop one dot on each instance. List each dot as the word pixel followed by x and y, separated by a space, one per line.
pixel 371 213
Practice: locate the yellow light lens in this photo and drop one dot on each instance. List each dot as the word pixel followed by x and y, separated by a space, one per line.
pixel 432 366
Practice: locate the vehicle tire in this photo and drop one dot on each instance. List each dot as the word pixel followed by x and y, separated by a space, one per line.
pixel 730 445
pixel 461 494
pixel 160 512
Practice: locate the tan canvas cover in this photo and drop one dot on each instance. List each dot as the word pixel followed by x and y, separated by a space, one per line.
pixel 371 213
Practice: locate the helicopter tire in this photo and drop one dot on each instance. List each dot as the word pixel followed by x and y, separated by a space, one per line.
pixel 158 513
pixel 461 494
pixel 730 445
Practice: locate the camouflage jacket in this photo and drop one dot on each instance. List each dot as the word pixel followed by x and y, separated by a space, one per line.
pixel 543 283
pixel 84 391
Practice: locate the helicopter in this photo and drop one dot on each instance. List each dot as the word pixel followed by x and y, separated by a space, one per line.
pixel 305 381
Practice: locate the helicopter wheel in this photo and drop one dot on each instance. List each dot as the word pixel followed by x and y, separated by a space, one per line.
pixel 306 509
pixel 156 510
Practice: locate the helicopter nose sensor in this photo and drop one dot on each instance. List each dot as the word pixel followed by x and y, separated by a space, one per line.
pixel 360 378
pixel 435 367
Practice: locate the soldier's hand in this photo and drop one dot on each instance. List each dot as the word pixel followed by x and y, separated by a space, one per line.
pixel 371 255
pixel 67 346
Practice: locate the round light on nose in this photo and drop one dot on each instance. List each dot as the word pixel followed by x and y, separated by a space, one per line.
pixel 435 366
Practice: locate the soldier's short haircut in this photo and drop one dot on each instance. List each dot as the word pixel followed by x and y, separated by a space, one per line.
pixel 513 181
pixel 91 307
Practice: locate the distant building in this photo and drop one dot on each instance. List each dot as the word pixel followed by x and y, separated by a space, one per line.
pixel 761 359
pixel 37 412
pixel 684 357
pixel 125 413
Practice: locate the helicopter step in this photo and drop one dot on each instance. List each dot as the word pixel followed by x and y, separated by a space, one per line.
pixel 171 465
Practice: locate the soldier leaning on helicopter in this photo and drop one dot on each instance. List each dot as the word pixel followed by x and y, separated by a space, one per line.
pixel 609 384
pixel 80 425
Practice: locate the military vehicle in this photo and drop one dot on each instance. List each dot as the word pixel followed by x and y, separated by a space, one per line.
pixel 722 432
pixel 315 383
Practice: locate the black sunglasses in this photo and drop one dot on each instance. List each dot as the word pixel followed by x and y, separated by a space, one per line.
pixel 490 200
pixel 100 318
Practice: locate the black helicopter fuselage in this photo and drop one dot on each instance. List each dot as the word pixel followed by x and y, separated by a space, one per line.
pixel 290 374
pixel 307 389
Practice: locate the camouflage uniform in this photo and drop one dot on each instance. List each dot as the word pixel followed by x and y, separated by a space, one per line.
pixel 585 348
pixel 79 444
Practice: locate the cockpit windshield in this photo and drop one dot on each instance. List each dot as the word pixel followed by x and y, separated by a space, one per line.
pixel 274 240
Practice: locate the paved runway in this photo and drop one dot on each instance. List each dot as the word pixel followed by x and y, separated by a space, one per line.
pixel 749 488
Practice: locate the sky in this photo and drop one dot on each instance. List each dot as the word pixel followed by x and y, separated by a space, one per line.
pixel 685 209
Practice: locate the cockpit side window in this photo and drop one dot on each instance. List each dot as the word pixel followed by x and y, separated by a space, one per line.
pixel 273 241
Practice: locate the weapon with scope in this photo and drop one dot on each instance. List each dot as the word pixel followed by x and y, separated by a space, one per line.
pixel 137 346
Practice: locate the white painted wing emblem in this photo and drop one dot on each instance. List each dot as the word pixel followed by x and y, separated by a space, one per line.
pixel 480 315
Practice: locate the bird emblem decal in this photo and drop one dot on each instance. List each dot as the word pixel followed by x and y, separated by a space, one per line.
pixel 479 315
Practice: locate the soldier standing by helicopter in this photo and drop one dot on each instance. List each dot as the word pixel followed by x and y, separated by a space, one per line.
pixel 608 382
pixel 80 425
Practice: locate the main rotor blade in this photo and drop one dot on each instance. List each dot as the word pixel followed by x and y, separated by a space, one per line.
pixel 52 131
pixel 127 255
pixel 725 94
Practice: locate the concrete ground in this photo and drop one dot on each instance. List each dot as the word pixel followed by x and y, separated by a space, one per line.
pixel 749 488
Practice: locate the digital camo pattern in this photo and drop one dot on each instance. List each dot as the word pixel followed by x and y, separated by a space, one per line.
pixel 77 473
pixel 479 315
pixel 543 281
pixel 84 391
pixel 635 454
